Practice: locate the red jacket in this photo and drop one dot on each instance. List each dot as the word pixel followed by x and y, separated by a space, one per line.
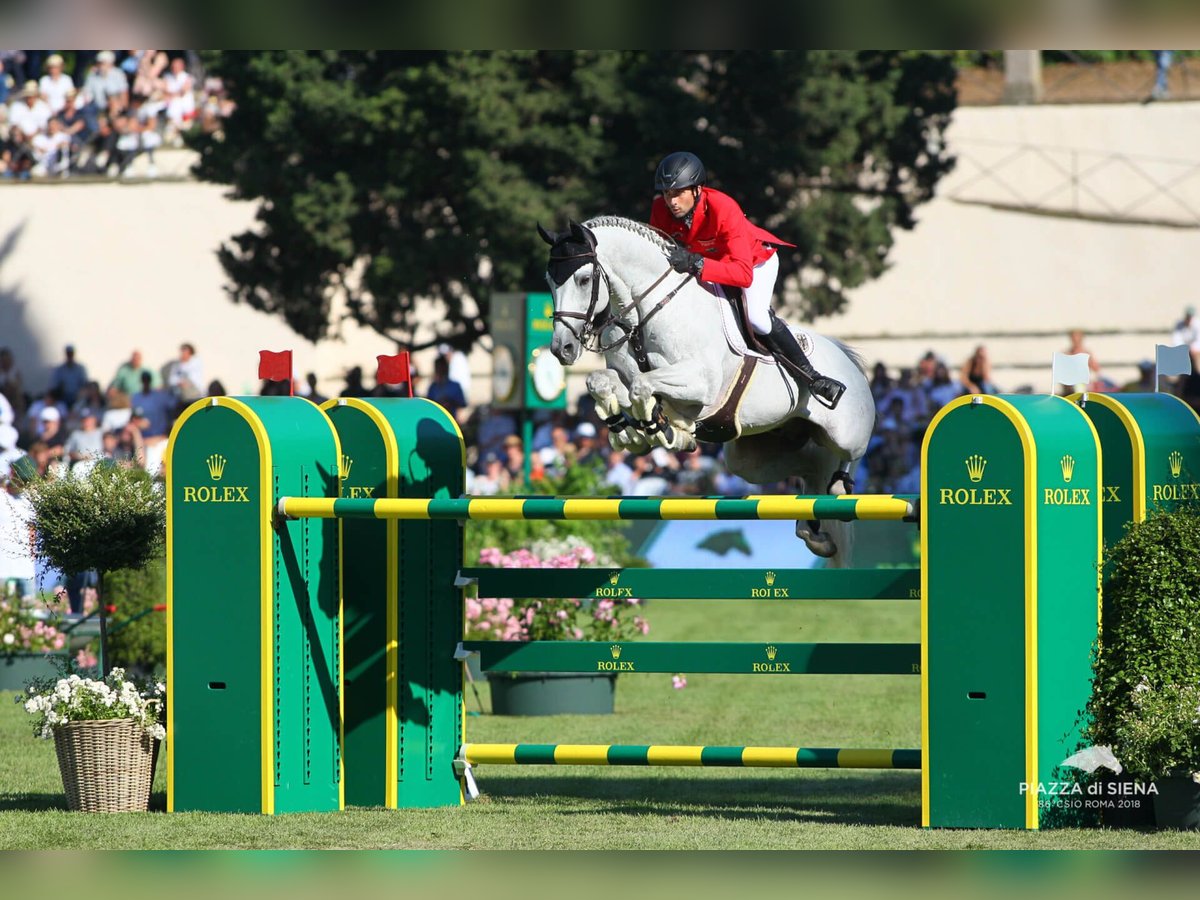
pixel 731 244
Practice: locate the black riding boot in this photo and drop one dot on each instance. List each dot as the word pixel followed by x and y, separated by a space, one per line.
pixel 784 343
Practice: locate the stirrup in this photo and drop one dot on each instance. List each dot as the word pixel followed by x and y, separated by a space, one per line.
pixel 835 388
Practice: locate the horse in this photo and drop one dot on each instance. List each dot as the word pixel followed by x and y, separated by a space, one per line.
pixel 674 358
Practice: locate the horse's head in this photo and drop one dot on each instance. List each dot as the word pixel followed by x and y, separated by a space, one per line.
pixel 575 277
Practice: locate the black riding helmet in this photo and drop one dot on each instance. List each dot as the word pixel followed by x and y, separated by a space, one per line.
pixel 679 170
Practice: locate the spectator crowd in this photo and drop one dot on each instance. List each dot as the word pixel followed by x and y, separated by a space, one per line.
pixel 78 420
pixel 97 119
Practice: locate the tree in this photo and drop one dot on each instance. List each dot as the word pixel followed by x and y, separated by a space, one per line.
pixel 385 178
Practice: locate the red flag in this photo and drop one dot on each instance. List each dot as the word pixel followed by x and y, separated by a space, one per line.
pixel 274 366
pixel 394 370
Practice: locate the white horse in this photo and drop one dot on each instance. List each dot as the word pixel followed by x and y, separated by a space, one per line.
pixel 673 356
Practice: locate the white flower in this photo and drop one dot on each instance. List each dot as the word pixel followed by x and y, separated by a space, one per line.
pixel 10 638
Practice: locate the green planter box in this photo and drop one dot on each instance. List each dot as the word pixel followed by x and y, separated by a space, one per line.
pixel 15 670
pixel 552 693
pixel 1177 803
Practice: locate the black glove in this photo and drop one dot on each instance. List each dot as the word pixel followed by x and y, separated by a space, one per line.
pixel 683 260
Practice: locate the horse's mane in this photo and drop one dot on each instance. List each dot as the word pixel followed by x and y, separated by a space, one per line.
pixel 639 228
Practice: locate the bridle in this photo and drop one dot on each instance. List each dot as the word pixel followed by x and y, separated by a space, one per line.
pixel 594 321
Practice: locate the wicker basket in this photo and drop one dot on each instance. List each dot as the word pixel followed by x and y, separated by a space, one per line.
pixel 107 765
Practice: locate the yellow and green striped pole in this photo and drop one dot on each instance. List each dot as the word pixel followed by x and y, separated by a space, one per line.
pixel 667 755
pixel 846 508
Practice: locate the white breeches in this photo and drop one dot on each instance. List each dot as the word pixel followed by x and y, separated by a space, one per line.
pixel 758 295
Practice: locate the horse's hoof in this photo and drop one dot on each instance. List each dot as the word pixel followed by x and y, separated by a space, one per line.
pixel 821 546
pixel 819 543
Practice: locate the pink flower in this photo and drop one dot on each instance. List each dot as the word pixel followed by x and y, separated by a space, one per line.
pixel 679 682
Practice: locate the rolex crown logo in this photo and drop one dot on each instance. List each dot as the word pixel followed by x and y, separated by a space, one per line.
pixel 771 651
pixel 614 577
pixel 770 578
pixel 216 466
pixel 1068 467
pixel 1176 461
pixel 346 463
pixel 975 466
pixel 615 650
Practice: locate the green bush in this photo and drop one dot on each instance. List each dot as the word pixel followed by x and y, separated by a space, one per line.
pixel 112 518
pixel 1147 664
pixel 607 539
pixel 137 635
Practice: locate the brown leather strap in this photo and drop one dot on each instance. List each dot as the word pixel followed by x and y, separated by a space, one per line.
pixel 723 425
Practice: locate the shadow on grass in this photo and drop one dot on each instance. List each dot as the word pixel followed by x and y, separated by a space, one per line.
pixel 52 802
pixel 877 799
pixel 33 802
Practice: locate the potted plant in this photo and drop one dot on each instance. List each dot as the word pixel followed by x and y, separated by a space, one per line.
pixel 114 517
pixel 105 735
pixel 1145 701
pixel 505 619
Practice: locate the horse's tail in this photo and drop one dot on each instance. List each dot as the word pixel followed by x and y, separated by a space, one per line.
pixel 852 354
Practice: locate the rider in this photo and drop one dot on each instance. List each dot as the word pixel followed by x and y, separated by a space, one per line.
pixel 717 243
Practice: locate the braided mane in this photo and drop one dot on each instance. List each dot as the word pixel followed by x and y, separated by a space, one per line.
pixel 639 228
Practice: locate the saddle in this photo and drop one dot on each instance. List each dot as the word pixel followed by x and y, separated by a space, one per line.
pixel 719 422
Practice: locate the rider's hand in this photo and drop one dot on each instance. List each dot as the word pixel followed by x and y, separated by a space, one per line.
pixel 683 260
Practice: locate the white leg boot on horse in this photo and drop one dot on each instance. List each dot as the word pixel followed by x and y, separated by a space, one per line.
pixel 653 418
pixel 608 391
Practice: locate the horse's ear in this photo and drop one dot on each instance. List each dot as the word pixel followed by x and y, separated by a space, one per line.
pixel 547 236
pixel 581 234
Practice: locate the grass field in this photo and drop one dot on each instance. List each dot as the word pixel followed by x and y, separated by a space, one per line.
pixel 621 808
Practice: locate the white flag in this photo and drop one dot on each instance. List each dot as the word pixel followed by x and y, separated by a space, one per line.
pixel 1171 361
pixel 1070 368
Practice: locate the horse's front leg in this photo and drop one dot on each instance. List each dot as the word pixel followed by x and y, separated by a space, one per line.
pixel 661 424
pixel 612 399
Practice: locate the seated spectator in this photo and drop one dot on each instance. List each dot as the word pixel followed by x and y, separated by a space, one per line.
pixel 146 124
pixel 16 156
pixel 107 86
pixel 85 444
pixel 881 382
pixel 69 376
pixel 117 410
pixel 941 390
pixel 9 452
pixel 313 394
pixel 584 440
pixel 185 375
pixel 620 474
pixel 153 411
pixel 976 374
pixel 128 378
pixel 514 458
pixel 76 125
pixel 30 113
pixel 12 385
pixel 647 479
pixel 492 478
pixel 697 475
pixel 443 391
pixel 99 152
pixel 125 446
pixel 52 150
pixel 354 383
pixel 179 89
pixel 56 84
